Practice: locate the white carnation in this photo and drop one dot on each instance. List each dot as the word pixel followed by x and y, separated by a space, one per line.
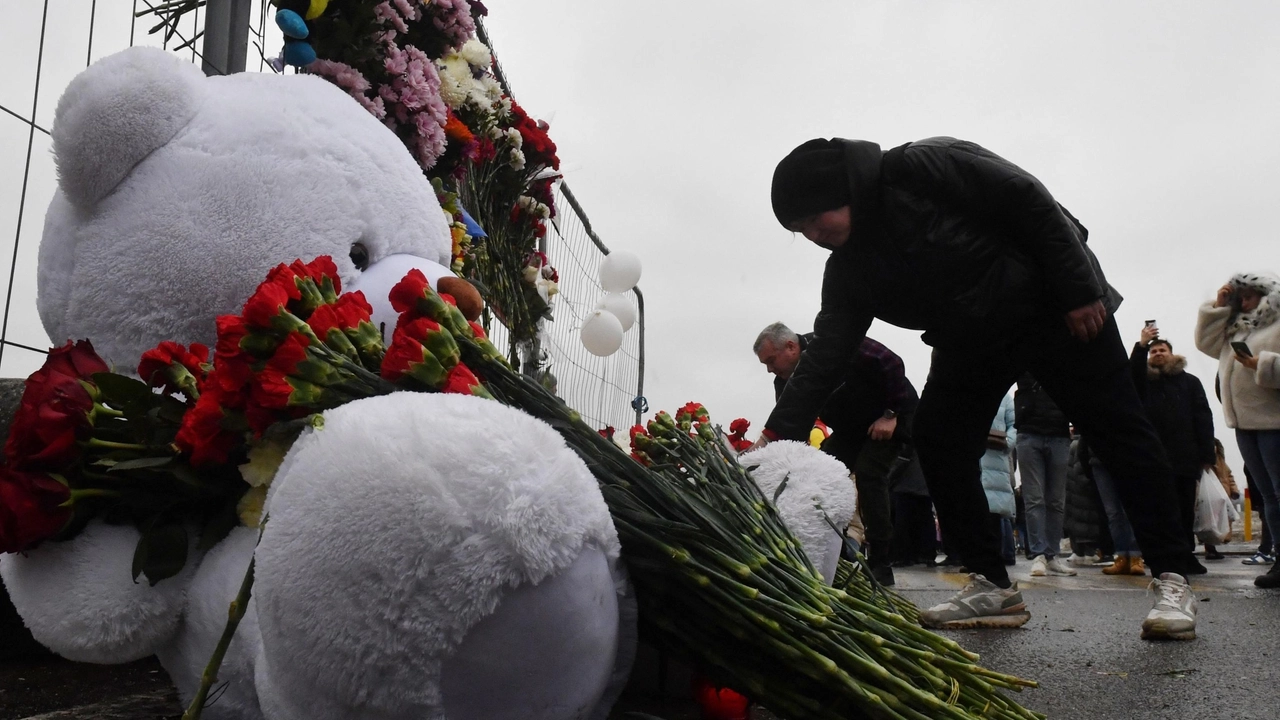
pixel 517 159
pixel 513 136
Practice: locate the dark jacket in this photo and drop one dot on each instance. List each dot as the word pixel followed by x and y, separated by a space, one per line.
pixel 1177 407
pixel 874 380
pixel 1084 519
pixel 948 238
pixel 1036 412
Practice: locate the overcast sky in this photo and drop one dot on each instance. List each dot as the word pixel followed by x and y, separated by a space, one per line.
pixel 1153 122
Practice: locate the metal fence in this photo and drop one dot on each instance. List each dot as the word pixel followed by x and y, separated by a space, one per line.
pixel 47 42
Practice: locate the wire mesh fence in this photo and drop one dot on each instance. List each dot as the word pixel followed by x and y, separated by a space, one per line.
pixel 47 42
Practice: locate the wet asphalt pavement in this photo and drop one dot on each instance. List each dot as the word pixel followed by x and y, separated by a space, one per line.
pixel 1082 645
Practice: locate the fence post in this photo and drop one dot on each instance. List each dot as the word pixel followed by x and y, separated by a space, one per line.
pixel 226 37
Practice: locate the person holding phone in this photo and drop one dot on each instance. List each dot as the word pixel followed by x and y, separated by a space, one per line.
pixel 1240 328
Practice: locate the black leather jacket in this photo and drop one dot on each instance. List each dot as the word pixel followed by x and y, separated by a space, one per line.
pixel 948 238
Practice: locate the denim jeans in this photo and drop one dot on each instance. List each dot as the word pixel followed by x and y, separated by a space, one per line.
pixel 1043 461
pixel 1261 451
pixel 1117 520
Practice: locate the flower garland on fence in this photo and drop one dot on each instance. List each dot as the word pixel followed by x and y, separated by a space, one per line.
pixel 418 68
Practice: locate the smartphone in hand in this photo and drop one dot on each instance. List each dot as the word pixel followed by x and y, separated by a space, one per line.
pixel 1241 349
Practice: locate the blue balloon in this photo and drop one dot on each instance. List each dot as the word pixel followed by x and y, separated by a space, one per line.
pixel 292 24
pixel 299 53
pixel 473 227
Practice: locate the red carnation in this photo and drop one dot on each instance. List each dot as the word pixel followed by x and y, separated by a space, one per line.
pixel 171 365
pixel 202 433
pixel 740 426
pixel 266 303
pixel 462 381
pixel 31 508
pixel 406 293
pixel 347 313
pixel 478 331
pixel 54 413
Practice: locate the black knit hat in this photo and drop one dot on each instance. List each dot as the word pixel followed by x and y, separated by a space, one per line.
pixel 811 179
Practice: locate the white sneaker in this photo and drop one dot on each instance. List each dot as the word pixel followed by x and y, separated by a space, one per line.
pixel 1039 567
pixel 1058 568
pixel 981 604
pixel 1082 560
pixel 1173 617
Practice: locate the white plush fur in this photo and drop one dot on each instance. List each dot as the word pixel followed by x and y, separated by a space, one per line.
pixel 79 600
pixel 398 527
pixel 816 484
pixel 427 556
pixel 263 169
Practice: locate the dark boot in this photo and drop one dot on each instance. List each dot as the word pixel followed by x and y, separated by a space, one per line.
pixel 883 575
pixel 1271 579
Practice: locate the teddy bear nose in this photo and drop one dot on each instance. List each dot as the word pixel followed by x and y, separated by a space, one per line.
pixel 360 256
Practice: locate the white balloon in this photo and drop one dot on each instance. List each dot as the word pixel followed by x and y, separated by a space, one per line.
pixel 619 272
pixel 621 308
pixel 602 333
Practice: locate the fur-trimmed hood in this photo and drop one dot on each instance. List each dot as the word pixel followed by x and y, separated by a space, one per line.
pixel 1176 366
pixel 1268 310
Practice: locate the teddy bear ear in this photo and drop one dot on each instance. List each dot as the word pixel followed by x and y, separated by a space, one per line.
pixel 116 113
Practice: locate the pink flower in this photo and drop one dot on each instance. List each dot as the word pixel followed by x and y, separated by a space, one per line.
pixel 453 18
pixel 384 12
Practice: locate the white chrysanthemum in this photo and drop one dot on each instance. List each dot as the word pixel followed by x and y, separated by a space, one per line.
pixel 476 53
pixel 488 86
pixel 456 83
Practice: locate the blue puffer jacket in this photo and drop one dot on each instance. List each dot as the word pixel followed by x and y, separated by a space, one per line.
pixel 997 465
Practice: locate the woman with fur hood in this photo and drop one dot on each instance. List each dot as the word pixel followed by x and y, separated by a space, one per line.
pixel 1246 311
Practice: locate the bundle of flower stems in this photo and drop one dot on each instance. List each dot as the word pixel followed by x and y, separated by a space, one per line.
pixel 719 579
pixel 855 578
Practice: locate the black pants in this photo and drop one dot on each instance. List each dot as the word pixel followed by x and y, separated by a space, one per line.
pixel 1092 385
pixel 914 538
pixel 869 460
pixel 1187 488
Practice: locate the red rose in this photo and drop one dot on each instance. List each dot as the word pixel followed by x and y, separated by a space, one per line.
pixel 167 364
pixel 75 360
pixel 31 508
pixel 202 433
pixel 53 414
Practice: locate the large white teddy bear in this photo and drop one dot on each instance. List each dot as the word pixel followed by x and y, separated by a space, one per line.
pixel 427 556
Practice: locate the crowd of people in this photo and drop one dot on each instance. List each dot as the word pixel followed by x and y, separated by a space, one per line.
pixel 946 237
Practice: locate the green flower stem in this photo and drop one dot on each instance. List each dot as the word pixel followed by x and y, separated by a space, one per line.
pixel 78 495
pixel 100 409
pixel 110 445
pixel 235 613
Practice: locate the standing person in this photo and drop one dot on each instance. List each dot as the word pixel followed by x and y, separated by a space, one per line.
pixel 915 537
pixel 869 412
pixel 1240 328
pixel 1177 406
pixel 1228 480
pixel 1044 448
pixel 997 476
pixel 1266 552
pixel 946 237
pixel 1085 521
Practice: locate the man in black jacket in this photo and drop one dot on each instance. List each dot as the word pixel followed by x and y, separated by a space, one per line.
pixel 1177 406
pixel 869 413
pixel 946 237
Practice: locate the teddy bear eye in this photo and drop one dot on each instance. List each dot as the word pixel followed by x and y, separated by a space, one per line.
pixel 360 256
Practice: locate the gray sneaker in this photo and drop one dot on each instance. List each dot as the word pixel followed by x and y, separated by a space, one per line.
pixel 1174 615
pixel 979 605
